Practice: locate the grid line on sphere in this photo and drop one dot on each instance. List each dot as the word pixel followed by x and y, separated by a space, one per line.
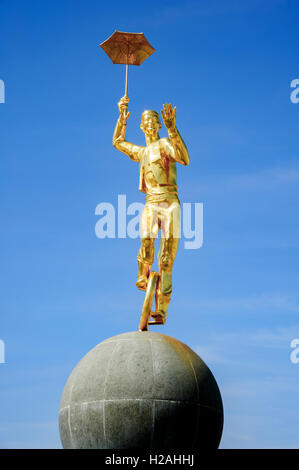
pixel 104 396
pixel 197 390
pixel 76 372
pixel 153 402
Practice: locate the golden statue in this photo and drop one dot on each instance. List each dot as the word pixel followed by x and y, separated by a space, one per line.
pixel 157 179
pixel 162 207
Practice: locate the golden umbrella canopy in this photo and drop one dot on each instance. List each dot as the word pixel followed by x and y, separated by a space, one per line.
pixel 127 48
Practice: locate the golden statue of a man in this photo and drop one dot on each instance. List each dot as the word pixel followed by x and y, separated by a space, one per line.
pixel 162 207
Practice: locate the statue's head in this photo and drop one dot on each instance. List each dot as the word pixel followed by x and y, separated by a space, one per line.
pixel 150 122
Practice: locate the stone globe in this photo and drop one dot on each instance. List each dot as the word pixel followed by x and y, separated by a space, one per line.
pixel 141 390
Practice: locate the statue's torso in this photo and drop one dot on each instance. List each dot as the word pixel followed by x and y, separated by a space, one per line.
pixel 157 169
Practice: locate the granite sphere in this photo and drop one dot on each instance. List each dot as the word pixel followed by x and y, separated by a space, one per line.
pixel 141 390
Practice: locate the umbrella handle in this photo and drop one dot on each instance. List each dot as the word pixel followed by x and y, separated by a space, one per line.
pixel 126 88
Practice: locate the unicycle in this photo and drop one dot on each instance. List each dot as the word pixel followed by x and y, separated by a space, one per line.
pixel 148 303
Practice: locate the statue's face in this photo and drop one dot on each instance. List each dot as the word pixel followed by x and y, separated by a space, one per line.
pixel 150 123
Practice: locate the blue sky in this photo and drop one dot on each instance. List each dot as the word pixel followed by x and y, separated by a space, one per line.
pixel 227 66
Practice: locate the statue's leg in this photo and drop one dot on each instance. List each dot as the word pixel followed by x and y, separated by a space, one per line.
pixel 145 258
pixel 167 252
pixel 166 257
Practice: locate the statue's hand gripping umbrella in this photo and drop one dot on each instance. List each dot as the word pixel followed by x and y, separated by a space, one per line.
pixel 128 49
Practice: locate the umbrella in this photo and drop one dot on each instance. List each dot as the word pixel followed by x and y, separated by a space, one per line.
pixel 127 48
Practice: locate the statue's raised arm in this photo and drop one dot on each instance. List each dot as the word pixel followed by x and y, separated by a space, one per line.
pixel 179 150
pixel 119 142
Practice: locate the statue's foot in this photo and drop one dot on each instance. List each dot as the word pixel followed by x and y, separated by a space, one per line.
pixel 142 282
pixel 159 318
pixel 145 328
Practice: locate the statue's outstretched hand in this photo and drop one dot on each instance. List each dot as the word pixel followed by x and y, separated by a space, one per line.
pixel 169 115
pixel 123 108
